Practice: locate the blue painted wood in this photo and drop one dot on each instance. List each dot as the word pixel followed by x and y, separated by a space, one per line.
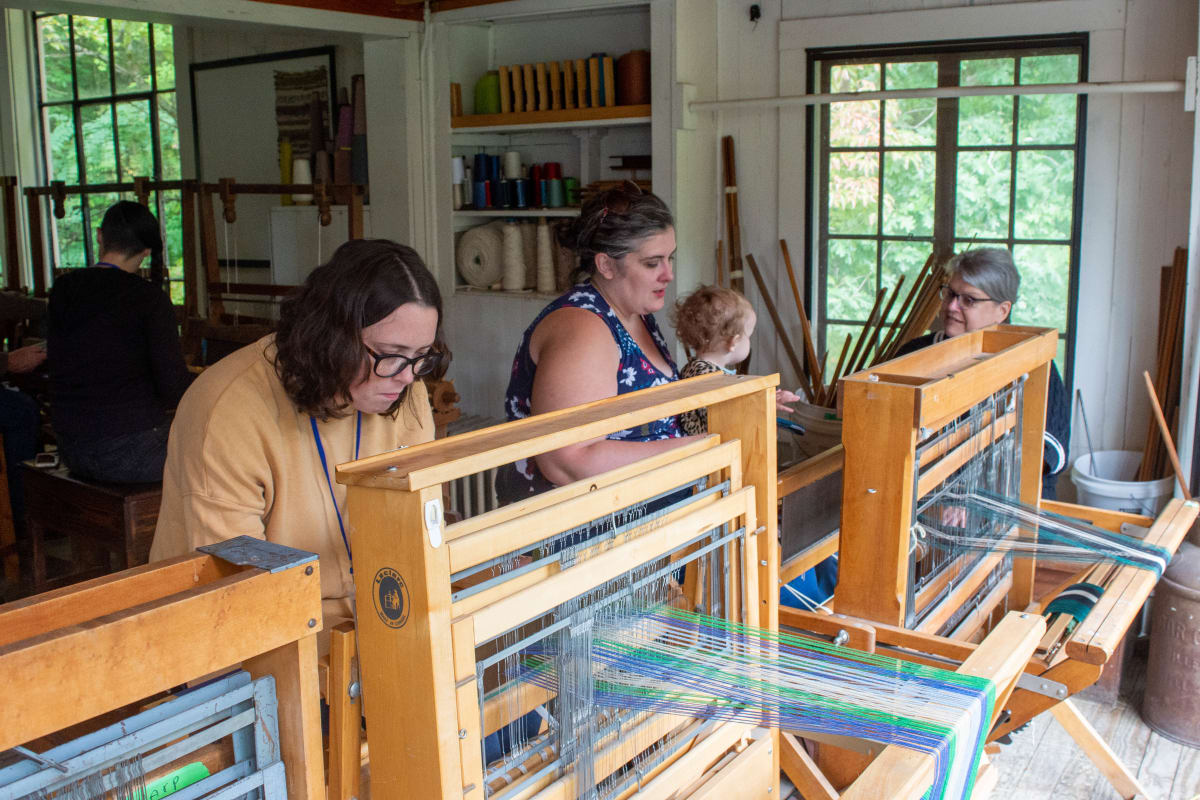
pixel 229 706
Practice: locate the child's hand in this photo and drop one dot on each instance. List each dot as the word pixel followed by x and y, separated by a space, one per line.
pixel 783 397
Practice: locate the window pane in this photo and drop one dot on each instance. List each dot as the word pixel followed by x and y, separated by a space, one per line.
pixel 910 122
pixel 91 57
pixel 908 192
pixel 97 205
pixel 981 195
pixel 854 193
pixel 69 233
pixel 1047 119
pixel 902 258
pixel 137 148
pixel 854 124
pixel 131 55
pixel 1062 68
pixel 835 342
pixel 99 159
pixel 60 133
pixel 911 75
pixel 985 120
pixel 164 57
pixel 1045 273
pixel 55 45
pixel 850 282
pixel 168 209
pixel 986 71
pixel 168 136
pixel 1045 194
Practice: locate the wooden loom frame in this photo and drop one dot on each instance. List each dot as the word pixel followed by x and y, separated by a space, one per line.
pixel 884 410
pixel 87 649
pixel 390 499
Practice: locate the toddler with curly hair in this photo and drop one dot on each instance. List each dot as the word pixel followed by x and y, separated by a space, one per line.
pixel 715 325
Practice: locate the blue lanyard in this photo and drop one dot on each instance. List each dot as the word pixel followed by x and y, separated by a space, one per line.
pixel 108 264
pixel 329 480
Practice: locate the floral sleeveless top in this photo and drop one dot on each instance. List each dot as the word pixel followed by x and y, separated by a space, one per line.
pixel 634 372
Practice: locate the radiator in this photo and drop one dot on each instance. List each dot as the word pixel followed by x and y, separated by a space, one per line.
pixel 473 494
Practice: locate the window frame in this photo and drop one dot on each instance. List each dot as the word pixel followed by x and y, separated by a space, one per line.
pixel 112 100
pixel 946 149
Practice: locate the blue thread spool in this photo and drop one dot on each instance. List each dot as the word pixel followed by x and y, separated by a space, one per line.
pixel 557 198
pixel 521 193
pixel 507 193
pixel 481 193
pixel 493 169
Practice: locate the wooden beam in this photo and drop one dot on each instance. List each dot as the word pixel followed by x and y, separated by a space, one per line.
pixel 394 9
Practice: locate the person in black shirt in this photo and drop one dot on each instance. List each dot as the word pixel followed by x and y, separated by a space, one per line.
pixel 116 366
pixel 981 292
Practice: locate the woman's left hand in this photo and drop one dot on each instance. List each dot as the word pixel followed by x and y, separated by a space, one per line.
pixel 783 397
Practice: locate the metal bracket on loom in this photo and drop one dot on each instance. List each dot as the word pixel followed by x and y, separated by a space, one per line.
pixel 1040 685
pixel 246 551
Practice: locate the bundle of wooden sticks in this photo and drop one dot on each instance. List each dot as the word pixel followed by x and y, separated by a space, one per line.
pixel 880 339
pixel 1169 365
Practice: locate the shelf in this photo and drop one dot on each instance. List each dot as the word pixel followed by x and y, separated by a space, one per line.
pixel 549 120
pixel 518 212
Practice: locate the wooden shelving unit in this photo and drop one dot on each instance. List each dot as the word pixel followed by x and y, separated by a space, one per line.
pixel 563 118
pixel 565 211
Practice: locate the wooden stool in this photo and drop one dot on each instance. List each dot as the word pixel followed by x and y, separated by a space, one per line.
pixel 98 518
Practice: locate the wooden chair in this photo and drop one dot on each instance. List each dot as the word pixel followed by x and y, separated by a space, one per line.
pixel 104 522
pixel 8 531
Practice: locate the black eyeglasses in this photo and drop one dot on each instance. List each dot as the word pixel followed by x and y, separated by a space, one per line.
pixel 965 301
pixel 390 365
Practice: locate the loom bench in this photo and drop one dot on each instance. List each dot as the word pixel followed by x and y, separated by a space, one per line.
pixel 99 520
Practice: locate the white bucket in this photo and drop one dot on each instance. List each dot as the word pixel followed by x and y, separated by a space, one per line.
pixel 822 427
pixel 1112 486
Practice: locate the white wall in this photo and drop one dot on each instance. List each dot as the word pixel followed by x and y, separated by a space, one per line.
pixel 1136 180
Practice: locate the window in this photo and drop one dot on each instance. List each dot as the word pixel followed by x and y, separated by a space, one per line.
pixel 107 103
pixel 896 179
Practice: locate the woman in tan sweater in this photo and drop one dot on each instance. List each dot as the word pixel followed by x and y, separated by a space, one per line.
pixel 257 437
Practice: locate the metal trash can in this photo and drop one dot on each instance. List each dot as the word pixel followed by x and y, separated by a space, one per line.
pixel 1171 705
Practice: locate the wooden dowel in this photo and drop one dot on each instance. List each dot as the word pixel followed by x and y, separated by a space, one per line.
pixel 720 262
pixel 1168 442
pixel 815 377
pixel 787 343
pixel 866 355
pixel 858 344
pixel 906 307
pixel 830 391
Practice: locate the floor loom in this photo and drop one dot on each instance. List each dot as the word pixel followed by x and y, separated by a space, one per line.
pixel 99 649
pixel 908 434
pixel 447 613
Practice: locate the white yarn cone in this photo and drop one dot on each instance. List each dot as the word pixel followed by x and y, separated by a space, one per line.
pixel 545 258
pixel 514 260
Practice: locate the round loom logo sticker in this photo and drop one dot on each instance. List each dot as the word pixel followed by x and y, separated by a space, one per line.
pixel 391 598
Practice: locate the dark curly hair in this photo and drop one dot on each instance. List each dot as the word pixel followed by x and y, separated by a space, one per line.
pixel 127 229
pixel 613 222
pixel 319 352
pixel 708 315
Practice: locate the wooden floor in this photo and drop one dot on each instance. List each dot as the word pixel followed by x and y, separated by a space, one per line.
pixel 1043 762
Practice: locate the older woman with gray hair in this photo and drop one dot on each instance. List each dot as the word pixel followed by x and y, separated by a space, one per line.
pixel 981 291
